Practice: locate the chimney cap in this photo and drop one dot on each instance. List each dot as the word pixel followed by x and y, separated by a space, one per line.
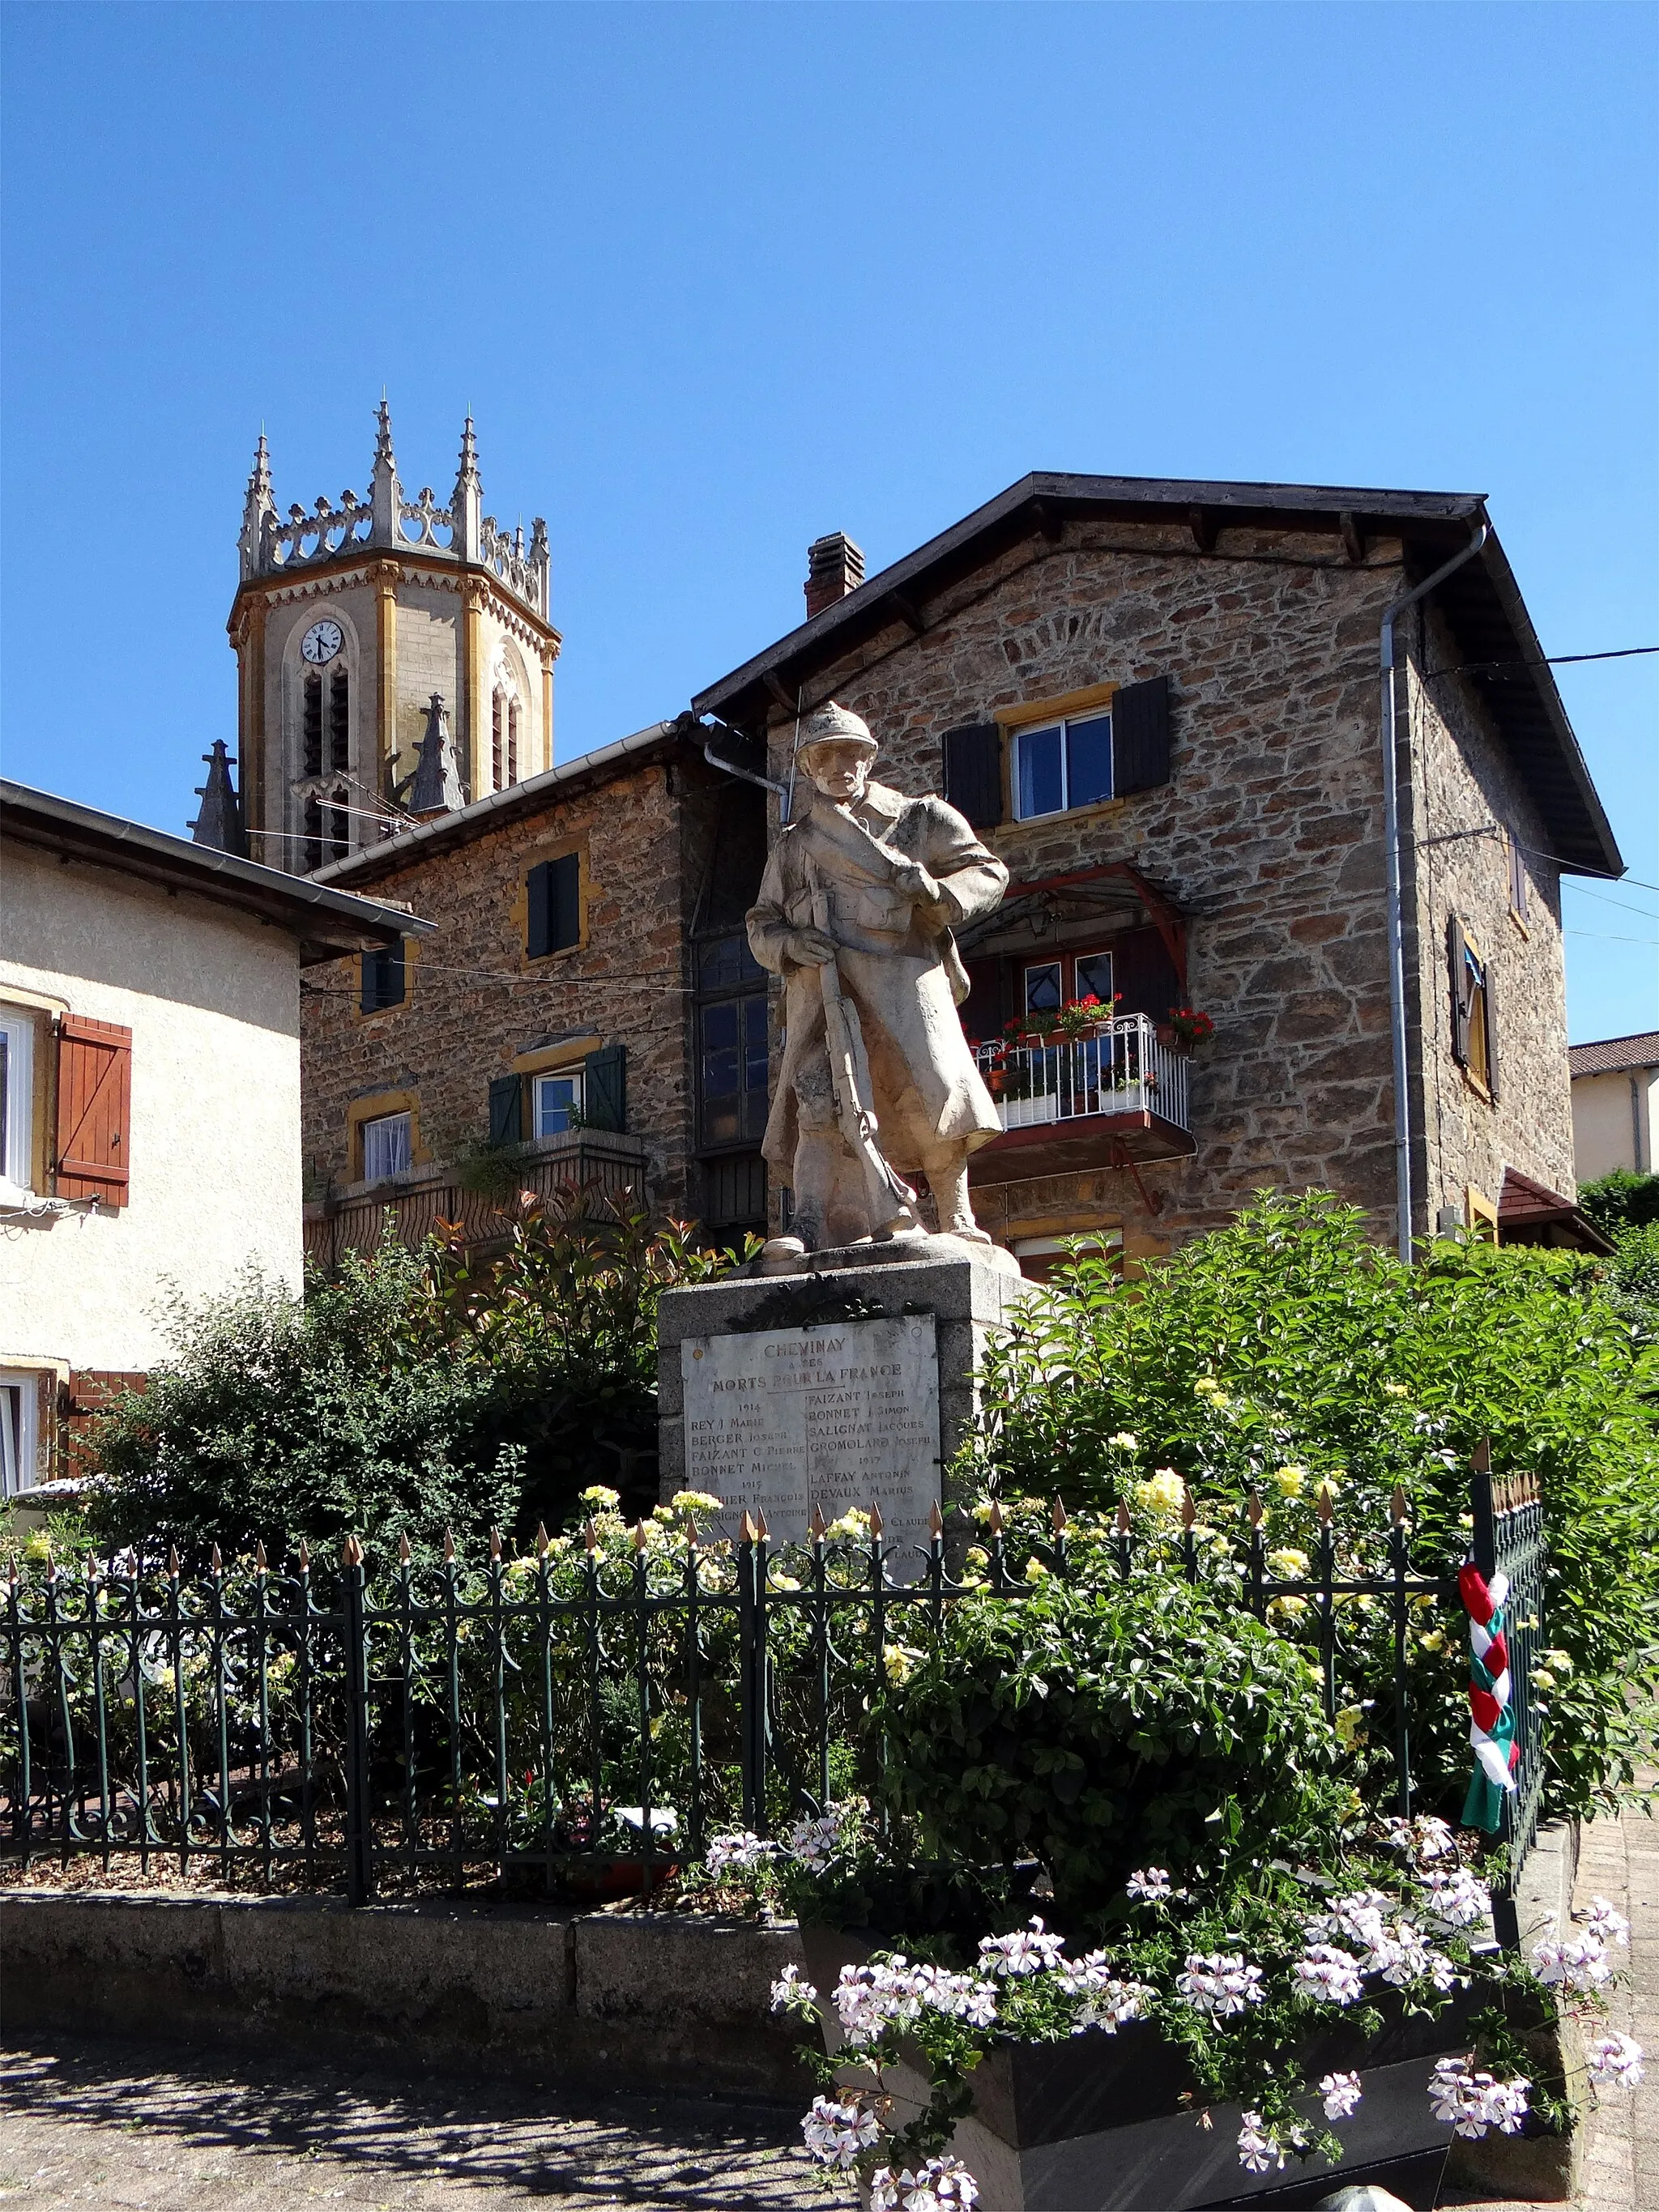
pixel 835 566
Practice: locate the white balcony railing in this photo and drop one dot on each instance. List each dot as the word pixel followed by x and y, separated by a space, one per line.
pixel 1122 1070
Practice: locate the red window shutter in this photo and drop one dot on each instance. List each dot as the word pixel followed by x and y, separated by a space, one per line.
pixel 95 1099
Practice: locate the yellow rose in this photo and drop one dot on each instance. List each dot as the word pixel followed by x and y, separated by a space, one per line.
pixel 1560 1661
pixel 694 1502
pixel 1292 1480
pixel 1163 1495
pixel 1285 1608
pixel 1125 1442
pixel 602 1499
pixel 899 1663
pixel 1035 1571
pixel 1290 1565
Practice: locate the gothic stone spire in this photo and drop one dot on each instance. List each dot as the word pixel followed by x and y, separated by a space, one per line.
pixel 256 506
pixel 437 784
pixel 220 822
pixel 385 492
pixel 467 505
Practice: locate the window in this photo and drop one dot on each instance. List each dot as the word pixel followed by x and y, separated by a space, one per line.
pixel 1051 984
pixel 558 1103
pixel 1517 859
pixel 312 726
pixel 731 1043
pixel 1063 764
pixel 733 1070
pixel 20 1417
pixel 325 715
pixel 512 740
pixel 388 1147
pixel 16 1101
pixel 554 906
pixel 385 978
pixel 327 830
pixel 1474 1010
pixel 339 723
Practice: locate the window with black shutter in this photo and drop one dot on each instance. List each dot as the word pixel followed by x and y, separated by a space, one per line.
pixel 973 772
pixel 506 1109
pixel 605 1089
pixel 555 917
pixel 385 978
pixel 1140 736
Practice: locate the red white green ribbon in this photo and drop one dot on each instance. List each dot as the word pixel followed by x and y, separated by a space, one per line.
pixel 1492 1715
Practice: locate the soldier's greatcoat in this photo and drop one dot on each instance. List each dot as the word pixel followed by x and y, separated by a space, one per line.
pixel 899 965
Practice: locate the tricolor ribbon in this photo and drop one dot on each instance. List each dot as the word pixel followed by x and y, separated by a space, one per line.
pixel 1492 1715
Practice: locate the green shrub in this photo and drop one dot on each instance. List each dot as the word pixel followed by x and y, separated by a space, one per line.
pixel 1633 1278
pixel 1287 1348
pixel 410 1393
pixel 1102 1726
pixel 1621 1200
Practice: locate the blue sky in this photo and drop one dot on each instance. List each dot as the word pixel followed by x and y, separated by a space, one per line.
pixel 716 279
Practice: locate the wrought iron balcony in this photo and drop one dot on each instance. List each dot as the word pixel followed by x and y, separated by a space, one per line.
pixel 1121 1093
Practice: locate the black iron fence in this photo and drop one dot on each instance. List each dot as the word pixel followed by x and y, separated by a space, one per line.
pixel 575 1721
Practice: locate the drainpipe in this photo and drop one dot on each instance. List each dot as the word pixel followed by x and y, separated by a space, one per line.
pixel 1402 1112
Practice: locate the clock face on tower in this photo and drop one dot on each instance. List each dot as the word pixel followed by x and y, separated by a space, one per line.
pixel 322 641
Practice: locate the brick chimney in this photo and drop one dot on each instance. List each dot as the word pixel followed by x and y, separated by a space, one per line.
pixel 835 566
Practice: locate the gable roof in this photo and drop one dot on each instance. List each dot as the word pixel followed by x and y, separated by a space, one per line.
pixel 1613 1055
pixel 462 824
pixel 1481 603
pixel 324 923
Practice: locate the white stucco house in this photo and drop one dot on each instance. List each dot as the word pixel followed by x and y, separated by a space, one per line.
pixel 149 1095
pixel 1615 1105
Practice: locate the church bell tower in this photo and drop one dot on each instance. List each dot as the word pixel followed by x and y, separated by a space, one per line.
pixel 353 626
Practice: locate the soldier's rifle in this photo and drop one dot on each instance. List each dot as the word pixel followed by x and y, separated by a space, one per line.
pixel 849 1074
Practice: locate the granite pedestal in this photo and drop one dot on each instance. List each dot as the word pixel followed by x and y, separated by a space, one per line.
pixel 847 1382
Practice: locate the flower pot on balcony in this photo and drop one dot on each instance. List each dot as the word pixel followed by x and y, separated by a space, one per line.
pixel 1098 2123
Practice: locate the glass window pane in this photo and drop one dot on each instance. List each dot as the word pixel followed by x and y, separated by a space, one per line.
pixel 1089 761
pixel 558 1100
pixel 754 1044
pixel 1094 976
pixel 1042 992
pixel 386 1149
pixel 1038 778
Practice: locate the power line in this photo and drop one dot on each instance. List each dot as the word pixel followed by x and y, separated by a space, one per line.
pixel 1544 660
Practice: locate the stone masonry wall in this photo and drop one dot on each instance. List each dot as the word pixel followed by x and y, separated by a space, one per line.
pixel 1268 835
pixel 1463 781
pixel 475 1001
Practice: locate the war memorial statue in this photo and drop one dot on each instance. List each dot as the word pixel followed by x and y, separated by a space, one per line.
pixel 856 913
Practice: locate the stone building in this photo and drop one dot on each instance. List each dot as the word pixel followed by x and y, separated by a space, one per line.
pixel 1159 704
pixel 352 623
pixel 587 1013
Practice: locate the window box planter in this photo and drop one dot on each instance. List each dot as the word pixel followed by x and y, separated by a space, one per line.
pixel 1096 2123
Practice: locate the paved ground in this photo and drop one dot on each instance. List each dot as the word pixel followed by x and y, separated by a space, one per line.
pixel 122 2126
pixel 1620 1861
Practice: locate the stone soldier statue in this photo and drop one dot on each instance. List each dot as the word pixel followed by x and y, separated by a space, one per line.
pixel 856 911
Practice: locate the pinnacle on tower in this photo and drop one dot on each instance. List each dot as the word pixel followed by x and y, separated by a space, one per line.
pixel 255 506
pixel 386 494
pixel 220 822
pixel 436 784
pixel 467 506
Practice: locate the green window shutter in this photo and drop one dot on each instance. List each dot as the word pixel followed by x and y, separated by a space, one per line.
pixel 605 1089
pixel 555 918
pixel 506 1109
pixel 384 979
pixel 973 772
pixel 1140 736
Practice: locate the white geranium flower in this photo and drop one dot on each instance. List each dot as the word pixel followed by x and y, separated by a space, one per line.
pixel 1341 2095
pixel 1027 1950
pixel 1258 2145
pixel 1219 1982
pixel 838 2135
pixel 1616 2061
pixel 793 1992
pixel 1327 1976
pixel 1149 1882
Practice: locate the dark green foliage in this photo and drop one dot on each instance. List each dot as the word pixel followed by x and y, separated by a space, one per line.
pixel 1289 1341
pixel 411 1393
pixel 1102 1726
pixel 1621 1200
pixel 1633 1278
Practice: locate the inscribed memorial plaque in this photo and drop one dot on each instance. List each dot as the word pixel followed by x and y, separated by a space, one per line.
pixel 780 1420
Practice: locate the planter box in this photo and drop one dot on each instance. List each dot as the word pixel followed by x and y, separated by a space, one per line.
pixel 1096 2125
